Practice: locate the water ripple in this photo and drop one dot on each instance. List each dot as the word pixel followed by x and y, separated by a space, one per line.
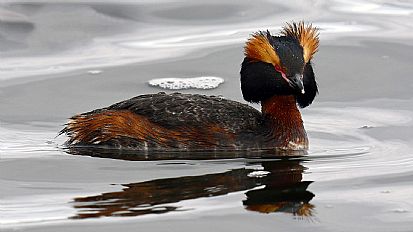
pixel 147 41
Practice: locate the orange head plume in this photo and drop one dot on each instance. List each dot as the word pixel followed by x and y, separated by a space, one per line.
pixel 307 36
pixel 259 48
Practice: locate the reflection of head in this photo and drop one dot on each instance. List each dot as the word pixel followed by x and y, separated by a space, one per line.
pixel 299 209
pixel 283 192
pixel 294 199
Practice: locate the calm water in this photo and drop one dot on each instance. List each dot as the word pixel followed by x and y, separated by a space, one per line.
pixel 61 59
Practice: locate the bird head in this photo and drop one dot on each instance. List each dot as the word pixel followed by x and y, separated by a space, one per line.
pixel 280 65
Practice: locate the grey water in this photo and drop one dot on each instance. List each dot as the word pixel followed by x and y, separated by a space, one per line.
pixel 59 59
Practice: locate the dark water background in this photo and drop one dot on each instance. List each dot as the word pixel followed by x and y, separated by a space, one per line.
pixel 357 176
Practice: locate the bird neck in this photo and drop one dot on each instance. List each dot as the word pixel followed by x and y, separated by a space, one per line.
pixel 285 122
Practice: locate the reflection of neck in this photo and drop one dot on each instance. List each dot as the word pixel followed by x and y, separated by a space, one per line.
pixel 286 122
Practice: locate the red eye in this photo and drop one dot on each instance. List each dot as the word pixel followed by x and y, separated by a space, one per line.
pixel 280 70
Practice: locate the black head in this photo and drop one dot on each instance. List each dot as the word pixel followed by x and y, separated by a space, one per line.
pixel 280 65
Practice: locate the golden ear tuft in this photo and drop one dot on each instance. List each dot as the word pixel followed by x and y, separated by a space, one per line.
pixel 258 48
pixel 307 35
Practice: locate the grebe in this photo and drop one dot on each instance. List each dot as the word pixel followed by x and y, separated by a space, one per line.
pixel 275 72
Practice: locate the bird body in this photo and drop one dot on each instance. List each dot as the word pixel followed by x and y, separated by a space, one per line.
pixel 276 72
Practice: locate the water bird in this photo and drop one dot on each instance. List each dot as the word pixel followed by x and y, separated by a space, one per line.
pixel 276 72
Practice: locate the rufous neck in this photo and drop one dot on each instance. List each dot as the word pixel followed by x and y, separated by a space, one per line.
pixel 286 121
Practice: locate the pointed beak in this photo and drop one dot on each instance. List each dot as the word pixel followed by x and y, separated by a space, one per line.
pixel 296 82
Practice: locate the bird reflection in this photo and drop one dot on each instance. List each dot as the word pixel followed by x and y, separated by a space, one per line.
pixel 283 191
pixel 277 187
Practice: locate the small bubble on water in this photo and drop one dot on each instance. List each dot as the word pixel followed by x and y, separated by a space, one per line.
pixel 94 72
pixel 258 174
pixel 385 191
pixel 400 210
pixel 366 127
pixel 159 209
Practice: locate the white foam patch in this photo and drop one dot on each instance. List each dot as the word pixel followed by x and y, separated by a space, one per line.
pixel 206 82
